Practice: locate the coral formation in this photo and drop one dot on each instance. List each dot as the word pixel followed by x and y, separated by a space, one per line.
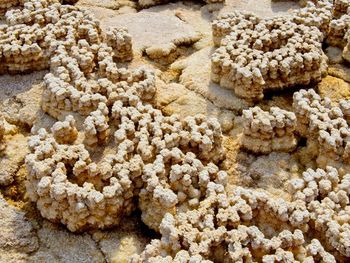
pixel 225 223
pixel 120 40
pixel 325 126
pixel 266 132
pixel 112 151
pixel 31 35
pixel 7 4
pixel 65 132
pixel 263 54
pixel 148 3
pixel 72 189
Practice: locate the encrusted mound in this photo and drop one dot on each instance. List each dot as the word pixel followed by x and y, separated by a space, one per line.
pixel 261 54
pixel 325 126
pixel 266 132
pixel 148 3
pixel 113 151
pixel 256 54
pixel 120 40
pixel 32 34
pixel 163 162
pixel 225 224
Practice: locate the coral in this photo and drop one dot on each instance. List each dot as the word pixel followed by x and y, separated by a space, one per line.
pixel 325 128
pixel 165 162
pixel 224 224
pixel 327 195
pixel 120 40
pixel 264 132
pixel 314 14
pixel 261 54
pixel 31 35
pixel 88 196
pixel 96 126
pixel 65 132
pixel 148 3
pixel 113 152
pixel 7 4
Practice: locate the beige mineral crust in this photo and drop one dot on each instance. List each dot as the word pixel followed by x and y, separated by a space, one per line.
pixel 325 126
pixel 148 3
pixel 161 40
pixel 224 224
pixel 65 132
pixel 163 162
pixel 112 152
pixel 265 132
pixel 120 40
pixel 31 35
pixel 259 54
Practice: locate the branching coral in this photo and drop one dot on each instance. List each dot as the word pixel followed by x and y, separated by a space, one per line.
pixel 265 132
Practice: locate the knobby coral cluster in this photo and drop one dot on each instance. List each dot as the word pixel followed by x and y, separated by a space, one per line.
pixel 255 54
pixel 325 126
pixel 266 132
pixel 148 3
pixel 169 168
pixel 160 164
pixel 224 226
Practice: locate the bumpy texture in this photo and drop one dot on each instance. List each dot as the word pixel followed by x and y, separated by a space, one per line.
pixel 225 225
pixel 164 162
pixel 96 126
pixel 325 126
pixel 31 35
pixel 148 3
pixel 259 54
pixel 65 131
pixel 256 54
pixel 168 167
pixel 265 132
pixel 2 133
pixel 7 4
pixel 120 40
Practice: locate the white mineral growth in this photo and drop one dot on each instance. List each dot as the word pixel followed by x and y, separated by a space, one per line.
pixel 65 132
pixel 120 40
pixel 259 54
pixel 148 3
pixel 265 132
pixel 224 223
pixel 326 128
pixel 31 35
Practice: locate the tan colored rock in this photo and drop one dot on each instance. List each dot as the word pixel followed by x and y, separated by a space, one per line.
pixel 334 88
pixel 158 35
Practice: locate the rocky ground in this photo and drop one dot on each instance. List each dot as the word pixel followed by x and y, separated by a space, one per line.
pixel 182 31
